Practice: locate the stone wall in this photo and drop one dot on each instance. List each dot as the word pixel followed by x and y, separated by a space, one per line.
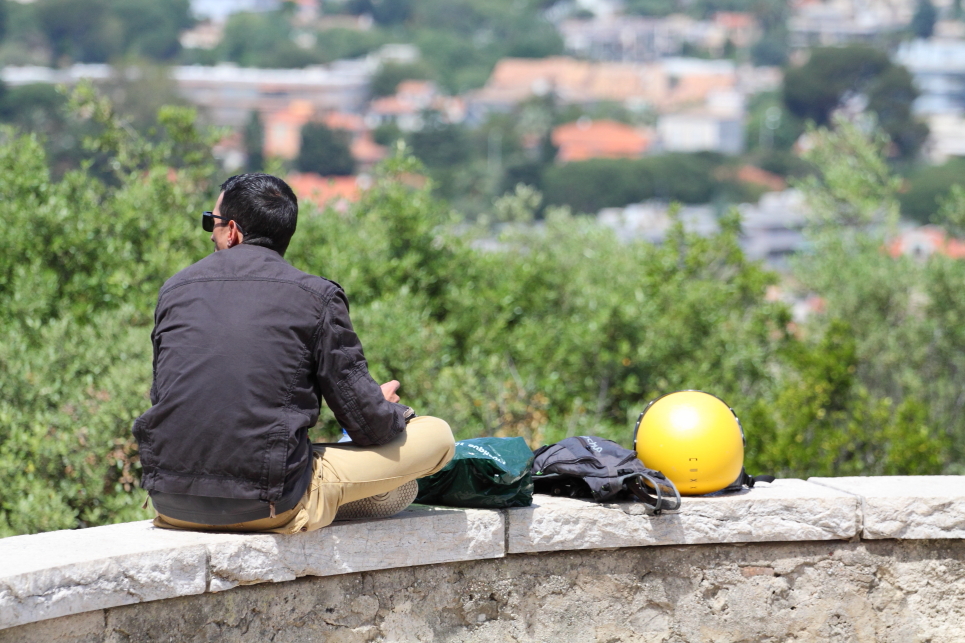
pixel 874 559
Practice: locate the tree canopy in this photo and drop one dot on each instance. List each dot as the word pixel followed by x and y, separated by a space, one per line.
pixel 100 30
pixel 923 22
pixel 387 78
pixel 324 151
pixel 835 76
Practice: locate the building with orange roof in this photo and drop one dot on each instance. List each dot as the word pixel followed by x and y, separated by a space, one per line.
pixel 353 123
pixel 283 129
pixel 734 19
pixel 587 139
pixel 740 27
pixel 666 84
pixel 411 100
pixel 405 107
pixel 325 191
pixel 924 241
pixel 392 109
pixel 366 151
pixel 756 176
pixel 690 81
pixel 417 91
pixel 283 133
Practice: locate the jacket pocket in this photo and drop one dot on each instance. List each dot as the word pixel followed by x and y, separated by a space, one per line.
pixel 142 436
pixel 276 461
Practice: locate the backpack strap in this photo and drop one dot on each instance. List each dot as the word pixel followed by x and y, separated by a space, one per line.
pixel 745 480
pixel 638 484
pixel 750 480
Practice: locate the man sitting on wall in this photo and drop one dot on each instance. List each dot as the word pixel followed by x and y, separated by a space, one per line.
pixel 245 346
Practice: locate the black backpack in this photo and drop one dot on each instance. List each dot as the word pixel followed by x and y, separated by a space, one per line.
pixel 591 467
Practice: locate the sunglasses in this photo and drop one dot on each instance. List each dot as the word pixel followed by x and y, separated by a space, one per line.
pixel 207 222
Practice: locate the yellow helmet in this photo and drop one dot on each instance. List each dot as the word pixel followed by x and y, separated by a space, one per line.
pixel 694 439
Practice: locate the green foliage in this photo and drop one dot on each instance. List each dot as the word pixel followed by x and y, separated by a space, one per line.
pixel 80 265
pixel 461 40
pixel 384 12
pixel 101 30
pixel 771 50
pixel 32 107
pixel 41 109
pixel 264 40
pixel 254 136
pixel 926 186
pixel 855 186
pixel 770 125
pixel 334 44
pixel 827 420
pixel 951 211
pixel 815 89
pixel 565 329
pixel 504 327
pixel 833 75
pixel 141 96
pixel 386 134
pixel 782 163
pixel 656 8
pixel 387 78
pixel 890 98
pixel 587 186
pixel 894 408
pixel 439 144
pixel 325 151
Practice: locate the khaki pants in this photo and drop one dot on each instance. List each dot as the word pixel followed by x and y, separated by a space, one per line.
pixel 345 473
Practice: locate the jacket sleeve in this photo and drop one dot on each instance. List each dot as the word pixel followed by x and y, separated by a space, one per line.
pixel 343 377
pixel 154 346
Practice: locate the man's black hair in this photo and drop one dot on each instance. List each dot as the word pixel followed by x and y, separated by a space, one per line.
pixel 264 207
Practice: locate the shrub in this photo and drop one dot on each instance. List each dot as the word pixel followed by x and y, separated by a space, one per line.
pixel 556 329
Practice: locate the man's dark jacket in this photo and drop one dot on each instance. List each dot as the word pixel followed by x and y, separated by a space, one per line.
pixel 245 346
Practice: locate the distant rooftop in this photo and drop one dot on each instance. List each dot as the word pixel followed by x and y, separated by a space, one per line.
pixel 346 70
pixel 586 139
pixel 220 9
pixel 227 93
pixel 665 83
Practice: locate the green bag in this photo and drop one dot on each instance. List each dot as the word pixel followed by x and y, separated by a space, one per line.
pixel 487 473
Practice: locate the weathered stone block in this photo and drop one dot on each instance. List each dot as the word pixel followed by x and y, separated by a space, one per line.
pixel 418 536
pixel 45 576
pixel 919 507
pixel 67 572
pixel 791 510
pixel 880 591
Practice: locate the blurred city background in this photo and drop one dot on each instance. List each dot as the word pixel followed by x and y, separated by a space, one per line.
pixel 545 213
pixel 704 102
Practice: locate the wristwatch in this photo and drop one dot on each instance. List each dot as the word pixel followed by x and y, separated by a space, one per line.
pixel 408 414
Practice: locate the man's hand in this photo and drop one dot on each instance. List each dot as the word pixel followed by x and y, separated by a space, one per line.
pixel 389 389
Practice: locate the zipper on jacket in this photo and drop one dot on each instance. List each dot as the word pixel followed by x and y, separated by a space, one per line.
pixel 271 510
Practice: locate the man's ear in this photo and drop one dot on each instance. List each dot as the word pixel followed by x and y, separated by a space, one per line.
pixel 234 234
